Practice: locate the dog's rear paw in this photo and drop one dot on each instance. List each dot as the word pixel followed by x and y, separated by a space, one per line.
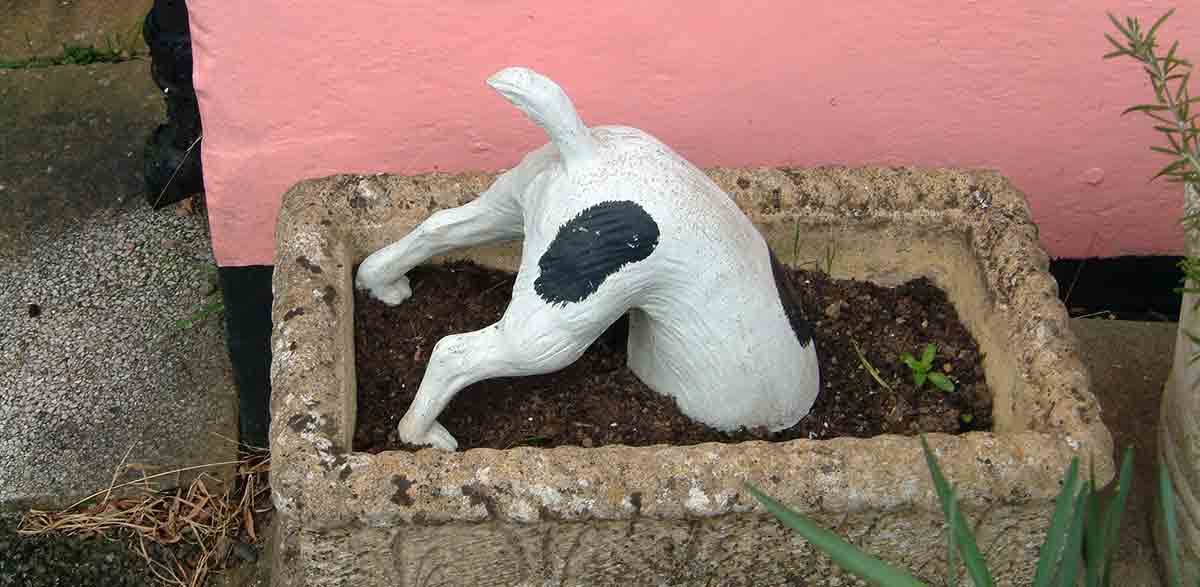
pixel 389 293
pixel 437 436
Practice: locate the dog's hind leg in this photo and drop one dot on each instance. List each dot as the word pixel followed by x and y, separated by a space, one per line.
pixel 532 338
pixel 492 217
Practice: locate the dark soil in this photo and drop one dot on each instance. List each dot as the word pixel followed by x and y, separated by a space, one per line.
pixel 598 401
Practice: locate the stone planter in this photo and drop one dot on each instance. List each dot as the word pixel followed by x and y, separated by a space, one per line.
pixel 1179 424
pixel 679 515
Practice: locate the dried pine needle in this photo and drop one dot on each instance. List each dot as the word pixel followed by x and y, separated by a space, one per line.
pixel 181 534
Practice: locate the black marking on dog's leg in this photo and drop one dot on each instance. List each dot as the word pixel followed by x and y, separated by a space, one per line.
pixel 596 243
pixel 790 301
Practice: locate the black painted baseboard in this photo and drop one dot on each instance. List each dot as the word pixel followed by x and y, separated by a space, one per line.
pixel 1123 288
pixel 247 295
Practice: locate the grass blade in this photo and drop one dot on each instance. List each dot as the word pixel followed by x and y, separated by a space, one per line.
pixel 967 547
pixel 1114 509
pixel 1094 544
pixel 952 555
pixel 1056 535
pixel 1074 550
pixel 1167 500
pixel 846 555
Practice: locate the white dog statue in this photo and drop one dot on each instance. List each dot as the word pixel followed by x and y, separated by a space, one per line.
pixel 613 222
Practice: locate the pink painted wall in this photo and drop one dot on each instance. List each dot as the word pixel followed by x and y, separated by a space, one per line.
pixel 290 90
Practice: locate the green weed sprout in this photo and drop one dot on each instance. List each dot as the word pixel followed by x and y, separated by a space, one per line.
pixel 923 370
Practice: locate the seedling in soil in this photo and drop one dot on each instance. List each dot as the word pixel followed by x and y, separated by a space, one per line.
pixel 923 370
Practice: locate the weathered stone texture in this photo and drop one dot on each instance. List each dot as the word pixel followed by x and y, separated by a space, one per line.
pixel 680 515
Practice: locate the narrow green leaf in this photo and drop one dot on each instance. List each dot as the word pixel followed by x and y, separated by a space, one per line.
pixel 1144 108
pixel 1170 169
pixel 1181 91
pixel 972 559
pixel 1158 23
pixel 846 555
pixel 1121 49
pixel 1158 117
pixel 1057 532
pixel 1165 151
pixel 1167 501
pixel 919 378
pixel 951 545
pixel 1117 24
pixel 1094 544
pixel 1074 550
pixel 1113 511
pixel 941 381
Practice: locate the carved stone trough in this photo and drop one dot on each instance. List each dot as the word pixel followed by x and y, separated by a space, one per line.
pixel 679 515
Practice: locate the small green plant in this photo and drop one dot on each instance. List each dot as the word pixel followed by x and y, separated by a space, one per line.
pixel 201 314
pixel 117 47
pixel 1084 531
pixel 71 55
pixel 209 308
pixel 1169 75
pixel 923 370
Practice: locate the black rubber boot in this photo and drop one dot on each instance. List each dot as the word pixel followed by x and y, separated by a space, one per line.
pixel 172 153
pixel 247 295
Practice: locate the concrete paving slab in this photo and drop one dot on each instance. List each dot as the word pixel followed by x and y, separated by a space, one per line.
pixel 72 144
pixel 41 27
pixel 1129 362
pixel 93 365
pixel 93 368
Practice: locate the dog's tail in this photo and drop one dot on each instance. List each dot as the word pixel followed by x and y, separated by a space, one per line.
pixel 548 105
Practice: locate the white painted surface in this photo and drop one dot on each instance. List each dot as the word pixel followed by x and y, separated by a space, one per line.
pixel 706 326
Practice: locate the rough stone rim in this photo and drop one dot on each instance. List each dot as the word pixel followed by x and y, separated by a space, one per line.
pixel 309 437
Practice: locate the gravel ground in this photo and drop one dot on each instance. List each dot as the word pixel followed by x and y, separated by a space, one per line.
pixel 93 363
pixel 44 561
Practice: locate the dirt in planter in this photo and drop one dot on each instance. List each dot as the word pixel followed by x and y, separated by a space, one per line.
pixel 598 401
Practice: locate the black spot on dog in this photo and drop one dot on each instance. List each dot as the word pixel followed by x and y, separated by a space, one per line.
pixel 635 499
pixel 791 302
pixel 743 183
pixel 34 310
pixel 297 311
pixel 401 497
pixel 305 263
pixel 596 243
